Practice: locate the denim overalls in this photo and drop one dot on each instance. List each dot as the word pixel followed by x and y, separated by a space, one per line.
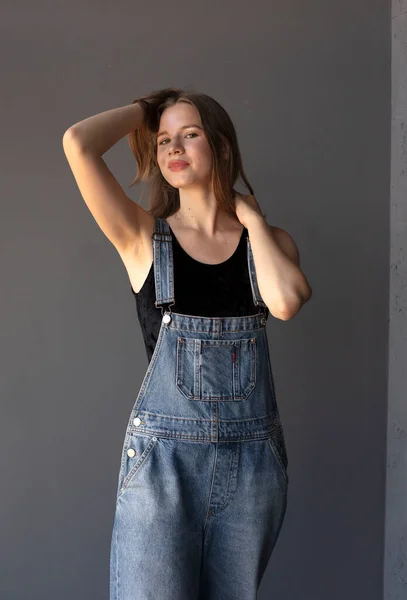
pixel 202 489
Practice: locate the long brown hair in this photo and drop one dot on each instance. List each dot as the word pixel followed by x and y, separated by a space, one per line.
pixel 220 133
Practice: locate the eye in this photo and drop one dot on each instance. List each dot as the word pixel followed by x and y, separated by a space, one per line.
pixel 165 139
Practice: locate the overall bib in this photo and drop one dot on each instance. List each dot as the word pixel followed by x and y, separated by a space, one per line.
pixel 202 489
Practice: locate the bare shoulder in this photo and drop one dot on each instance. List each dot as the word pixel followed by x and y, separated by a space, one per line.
pixel 286 243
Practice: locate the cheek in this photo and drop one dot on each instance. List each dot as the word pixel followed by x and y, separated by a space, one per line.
pixel 201 154
pixel 161 158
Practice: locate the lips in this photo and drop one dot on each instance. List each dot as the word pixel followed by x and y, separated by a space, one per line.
pixel 178 165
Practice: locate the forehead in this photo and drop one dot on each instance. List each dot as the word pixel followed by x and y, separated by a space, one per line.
pixel 178 115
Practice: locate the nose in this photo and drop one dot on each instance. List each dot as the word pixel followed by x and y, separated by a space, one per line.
pixel 174 146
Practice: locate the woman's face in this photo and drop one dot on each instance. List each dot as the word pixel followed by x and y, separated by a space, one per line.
pixel 181 137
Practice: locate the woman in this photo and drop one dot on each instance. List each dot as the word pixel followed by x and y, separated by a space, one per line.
pixel 202 489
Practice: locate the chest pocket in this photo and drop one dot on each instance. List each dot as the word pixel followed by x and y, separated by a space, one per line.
pixel 216 369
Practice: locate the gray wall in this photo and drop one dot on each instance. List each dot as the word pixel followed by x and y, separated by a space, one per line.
pixel 308 87
pixel 395 563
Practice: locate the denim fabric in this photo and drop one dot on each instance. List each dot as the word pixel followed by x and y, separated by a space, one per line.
pixel 202 486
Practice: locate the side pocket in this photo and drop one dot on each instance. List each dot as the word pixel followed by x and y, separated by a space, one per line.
pixel 280 458
pixel 136 450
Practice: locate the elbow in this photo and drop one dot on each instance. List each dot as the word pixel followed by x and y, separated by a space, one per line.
pixel 68 135
pixel 286 315
pixel 283 314
pixel 68 138
pixel 71 138
pixel 288 311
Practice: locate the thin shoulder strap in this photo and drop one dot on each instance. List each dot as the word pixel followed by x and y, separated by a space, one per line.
pixel 163 263
pixel 257 299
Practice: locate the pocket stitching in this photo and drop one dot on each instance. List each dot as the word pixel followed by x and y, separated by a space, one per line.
pixel 253 362
pixel 179 382
pixel 135 468
pixel 278 458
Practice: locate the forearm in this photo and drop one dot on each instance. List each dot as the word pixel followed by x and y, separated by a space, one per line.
pixel 97 134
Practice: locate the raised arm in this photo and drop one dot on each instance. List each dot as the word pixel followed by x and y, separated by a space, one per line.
pixel 124 222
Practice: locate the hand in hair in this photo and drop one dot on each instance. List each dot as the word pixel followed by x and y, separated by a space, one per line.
pixel 151 102
pixel 245 206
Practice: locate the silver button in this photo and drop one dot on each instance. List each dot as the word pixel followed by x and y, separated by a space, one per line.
pixel 166 318
pixel 137 421
pixel 263 321
pixel 131 452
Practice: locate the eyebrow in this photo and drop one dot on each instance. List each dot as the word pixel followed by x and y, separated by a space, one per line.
pixel 184 127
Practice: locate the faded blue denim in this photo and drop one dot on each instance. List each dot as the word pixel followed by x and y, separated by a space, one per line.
pixel 202 488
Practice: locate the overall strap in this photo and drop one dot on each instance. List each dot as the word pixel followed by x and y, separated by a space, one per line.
pixel 163 263
pixel 257 299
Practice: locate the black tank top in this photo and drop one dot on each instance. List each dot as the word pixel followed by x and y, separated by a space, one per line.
pixel 200 289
